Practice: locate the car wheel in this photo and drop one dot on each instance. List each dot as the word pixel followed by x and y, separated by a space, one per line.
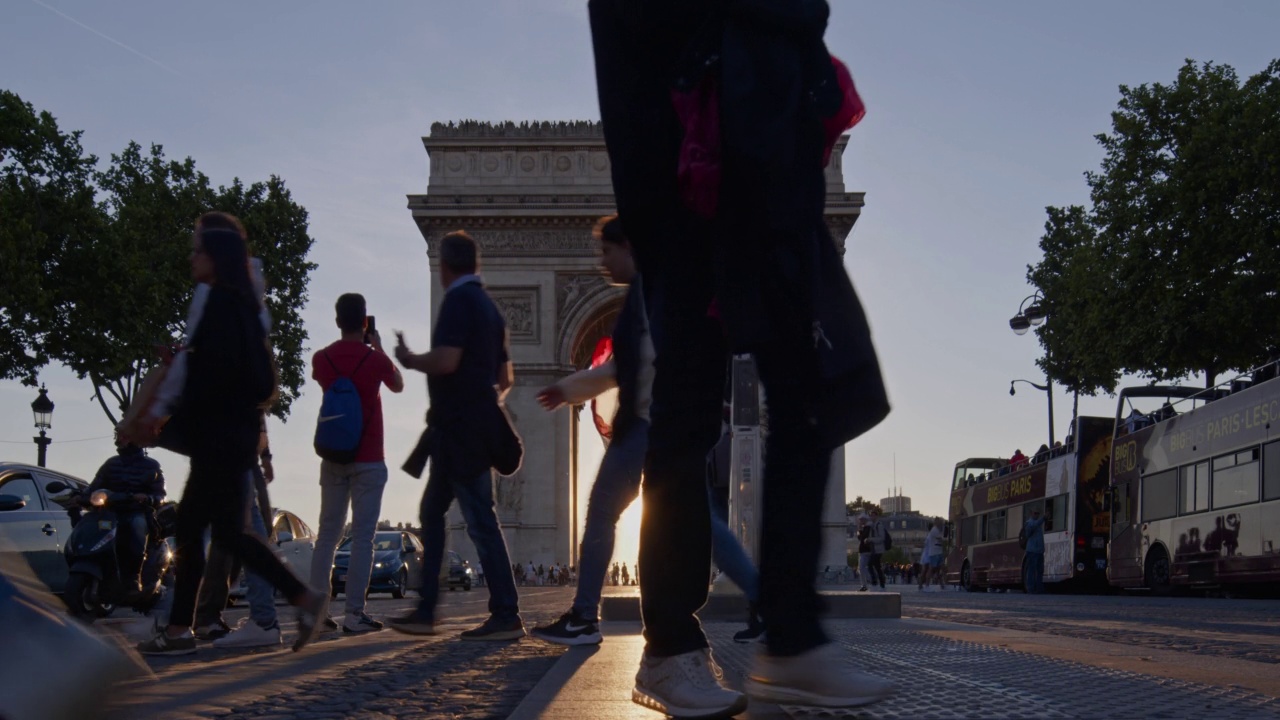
pixel 402 585
pixel 1158 575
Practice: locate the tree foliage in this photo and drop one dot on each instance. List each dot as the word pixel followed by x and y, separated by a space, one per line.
pixel 1174 269
pixel 108 262
pixel 858 504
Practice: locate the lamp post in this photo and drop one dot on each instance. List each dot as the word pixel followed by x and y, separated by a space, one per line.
pixel 1027 317
pixel 42 409
pixel 1048 390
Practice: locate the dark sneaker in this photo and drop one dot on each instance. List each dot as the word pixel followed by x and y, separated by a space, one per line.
pixel 162 644
pixel 413 624
pixel 495 629
pixel 570 629
pixel 310 619
pixel 360 623
pixel 753 633
pixel 213 631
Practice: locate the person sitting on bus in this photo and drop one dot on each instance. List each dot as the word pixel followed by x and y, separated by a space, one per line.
pixel 1042 454
pixel 1135 421
pixel 1057 450
pixel 1018 460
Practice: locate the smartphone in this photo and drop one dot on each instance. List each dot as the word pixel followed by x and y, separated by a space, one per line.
pixel 370 328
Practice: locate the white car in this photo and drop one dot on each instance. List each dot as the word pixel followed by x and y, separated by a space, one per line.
pixel 295 544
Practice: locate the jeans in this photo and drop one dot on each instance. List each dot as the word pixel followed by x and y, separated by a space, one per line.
pixel 1035 572
pixel 617 485
pixel 218 498
pixel 134 542
pixel 221 570
pixel 475 500
pixel 360 485
pixel 864 567
pixel 726 552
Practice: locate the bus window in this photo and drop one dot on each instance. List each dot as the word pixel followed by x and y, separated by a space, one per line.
pixel 1160 496
pixel 969 531
pixel 1235 479
pixel 995 525
pixel 1195 488
pixel 1120 505
pixel 1271 471
pixel 1055 513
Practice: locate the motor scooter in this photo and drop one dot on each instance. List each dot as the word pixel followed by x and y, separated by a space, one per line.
pixel 98 546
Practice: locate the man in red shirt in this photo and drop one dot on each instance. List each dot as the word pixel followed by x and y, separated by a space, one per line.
pixel 358 356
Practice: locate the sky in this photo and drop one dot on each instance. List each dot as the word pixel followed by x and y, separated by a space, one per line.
pixel 980 114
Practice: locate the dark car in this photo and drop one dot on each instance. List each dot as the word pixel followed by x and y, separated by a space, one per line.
pixel 33 523
pixel 457 573
pixel 397 564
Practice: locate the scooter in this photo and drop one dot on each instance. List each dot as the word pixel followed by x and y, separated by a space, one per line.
pixel 95 551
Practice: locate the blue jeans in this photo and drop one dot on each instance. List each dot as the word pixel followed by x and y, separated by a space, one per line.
pixel 617 485
pixel 475 500
pixel 259 593
pixel 726 552
pixel 360 485
pixel 1035 572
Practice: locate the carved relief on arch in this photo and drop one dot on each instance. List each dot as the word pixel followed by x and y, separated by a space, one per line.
pixel 585 303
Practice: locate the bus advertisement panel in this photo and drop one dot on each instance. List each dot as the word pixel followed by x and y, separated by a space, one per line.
pixel 990 502
pixel 1196 485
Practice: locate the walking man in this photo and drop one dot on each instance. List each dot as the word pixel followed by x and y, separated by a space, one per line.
pixel 468 373
pixel 1034 531
pixel 742 226
pixel 357 357
pixel 878 535
pixel 933 558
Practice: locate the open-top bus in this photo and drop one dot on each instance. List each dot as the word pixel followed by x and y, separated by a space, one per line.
pixel 990 501
pixel 1196 485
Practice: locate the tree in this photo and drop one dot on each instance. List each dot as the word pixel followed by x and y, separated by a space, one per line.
pixel 1174 269
pixel 895 556
pixel 47 208
pixel 859 505
pixel 97 283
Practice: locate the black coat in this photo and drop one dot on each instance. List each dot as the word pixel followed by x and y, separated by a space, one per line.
pixel 778 275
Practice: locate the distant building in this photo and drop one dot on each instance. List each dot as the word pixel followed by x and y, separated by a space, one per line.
pixel 896 504
pixel 908 530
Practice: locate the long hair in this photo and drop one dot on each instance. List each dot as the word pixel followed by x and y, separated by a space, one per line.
pixel 223 238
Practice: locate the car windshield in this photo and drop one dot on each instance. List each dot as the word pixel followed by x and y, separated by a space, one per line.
pixel 381 542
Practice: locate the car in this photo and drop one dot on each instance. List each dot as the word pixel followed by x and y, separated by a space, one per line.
pixel 33 523
pixel 457 573
pixel 397 564
pixel 295 544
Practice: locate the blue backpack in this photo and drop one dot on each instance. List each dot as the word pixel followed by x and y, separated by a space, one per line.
pixel 340 426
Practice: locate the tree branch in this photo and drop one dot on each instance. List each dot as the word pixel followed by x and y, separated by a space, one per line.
pixel 97 393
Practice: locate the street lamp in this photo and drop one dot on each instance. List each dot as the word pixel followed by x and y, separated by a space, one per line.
pixel 1028 316
pixel 1047 388
pixel 42 409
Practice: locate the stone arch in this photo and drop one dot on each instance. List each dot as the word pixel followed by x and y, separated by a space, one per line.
pixel 589 321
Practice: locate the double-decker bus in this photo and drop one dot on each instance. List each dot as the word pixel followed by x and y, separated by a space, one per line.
pixel 991 501
pixel 1195 485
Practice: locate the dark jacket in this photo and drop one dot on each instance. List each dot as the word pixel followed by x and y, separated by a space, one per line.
pixel 779 278
pixel 131 472
pixel 229 377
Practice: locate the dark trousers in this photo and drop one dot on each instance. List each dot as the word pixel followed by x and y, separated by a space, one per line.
pixel 877 572
pixel 218 498
pixel 675 535
pixel 221 569
pixel 475 500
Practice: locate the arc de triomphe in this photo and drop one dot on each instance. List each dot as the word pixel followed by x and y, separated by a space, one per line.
pixel 529 194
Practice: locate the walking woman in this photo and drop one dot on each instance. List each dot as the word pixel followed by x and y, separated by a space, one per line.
pixel 229 377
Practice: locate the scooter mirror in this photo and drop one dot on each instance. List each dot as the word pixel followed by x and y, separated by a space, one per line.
pixel 55 487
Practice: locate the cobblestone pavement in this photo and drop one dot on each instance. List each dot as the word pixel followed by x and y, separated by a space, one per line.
pixel 1234 628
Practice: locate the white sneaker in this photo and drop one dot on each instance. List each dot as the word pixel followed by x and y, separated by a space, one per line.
pixel 250 634
pixel 686 686
pixel 820 677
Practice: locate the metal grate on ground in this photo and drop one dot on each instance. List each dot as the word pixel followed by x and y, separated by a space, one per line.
pixel 942 679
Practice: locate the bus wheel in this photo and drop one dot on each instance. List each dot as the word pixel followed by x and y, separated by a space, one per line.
pixel 1158 574
pixel 966 578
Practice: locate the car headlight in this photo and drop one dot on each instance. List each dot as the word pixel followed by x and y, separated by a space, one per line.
pixel 98 498
pixel 377 565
